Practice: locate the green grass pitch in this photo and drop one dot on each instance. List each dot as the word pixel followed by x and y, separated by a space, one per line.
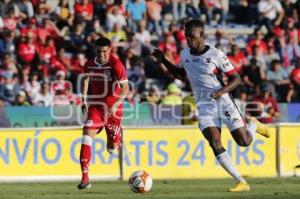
pixel 262 188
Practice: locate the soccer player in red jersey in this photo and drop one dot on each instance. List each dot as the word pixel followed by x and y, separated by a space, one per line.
pixel 105 79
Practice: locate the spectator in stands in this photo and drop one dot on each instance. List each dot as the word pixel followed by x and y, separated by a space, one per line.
pixel 6 7
pixel 27 50
pixel 295 79
pixel 32 86
pixel 271 55
pixel 42 13
pixel 132 96
pixel 215 8
pixel 297 7
pixel 178 33
pixel 193 9
pixel 61 89
pixel 44 97
pixel 76 68
pixel 64 13
pixel 189 110
pixel 271 14
pixel 153 95
pixel 133 44
pixel 136 74
pixel 143 35
pixel 257 41
pixel 117 33
pixel 59 63
pixel 47 29
pixel 245 11
pixel 173 96
pixel 268 105
pixel 289 45
pixel 21 99
pixel 8 44
pixel 9 90
pixel 179 8
pixel 84 9
pixel 136 11
pixel 154 10
pixel 47 50
pixel 279 77
pixel 114 16
pixel 25 9
pixel 8 63
pixel 77 38
pixel 253 76
pixel 10 21
pixel 258 55
pixel 169 47
pixel 237 58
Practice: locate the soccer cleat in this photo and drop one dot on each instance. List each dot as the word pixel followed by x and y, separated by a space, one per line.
pixel 113 143
pixel 84 185
pixel 240 187
pixel 261 128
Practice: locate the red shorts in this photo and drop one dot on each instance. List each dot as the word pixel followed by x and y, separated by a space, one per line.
pixel 97 118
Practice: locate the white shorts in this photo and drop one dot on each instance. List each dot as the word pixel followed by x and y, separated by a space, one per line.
pixel 212 112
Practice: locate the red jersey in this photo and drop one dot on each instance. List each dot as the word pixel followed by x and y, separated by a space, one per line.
pixel 104 80
pixel 295 75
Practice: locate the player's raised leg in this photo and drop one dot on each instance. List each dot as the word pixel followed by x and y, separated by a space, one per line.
pixel 244 136
pixel 114 131
pixel 213 136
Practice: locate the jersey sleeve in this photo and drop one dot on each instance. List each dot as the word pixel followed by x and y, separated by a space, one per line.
pixel 182 57
pixel 223 63
pixel 119 71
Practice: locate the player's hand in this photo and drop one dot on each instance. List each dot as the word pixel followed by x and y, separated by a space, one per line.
pixel 158 54
pixel 217 94
pixel 84 107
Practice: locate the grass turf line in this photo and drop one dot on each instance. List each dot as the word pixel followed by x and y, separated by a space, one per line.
pixel 263 188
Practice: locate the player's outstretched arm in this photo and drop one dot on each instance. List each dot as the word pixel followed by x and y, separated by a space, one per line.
pixel 178 73
pixel 84 91
pixel 235 80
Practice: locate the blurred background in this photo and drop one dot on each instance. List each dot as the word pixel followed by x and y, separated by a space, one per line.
pixel 45 44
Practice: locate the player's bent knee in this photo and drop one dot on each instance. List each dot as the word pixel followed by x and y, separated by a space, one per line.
pixel 90 132
pixel 244 142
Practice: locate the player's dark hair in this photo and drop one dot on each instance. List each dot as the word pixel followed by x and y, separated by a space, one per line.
pixel 102 41
pixel 194 23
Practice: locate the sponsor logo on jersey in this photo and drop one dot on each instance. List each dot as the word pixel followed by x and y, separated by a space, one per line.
pixel 207 60
pixel 106 73
pixel 235 120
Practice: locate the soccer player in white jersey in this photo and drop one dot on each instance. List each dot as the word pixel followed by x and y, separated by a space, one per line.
pixel 203 65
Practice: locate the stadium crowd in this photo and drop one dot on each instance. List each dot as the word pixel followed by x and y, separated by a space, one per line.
pixel 44 46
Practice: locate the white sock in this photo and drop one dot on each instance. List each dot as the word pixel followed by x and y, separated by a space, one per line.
pixel 226 162
pixel 87 140
pixel 251 129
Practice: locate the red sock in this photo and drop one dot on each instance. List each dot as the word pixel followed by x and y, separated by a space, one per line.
pixel 85 157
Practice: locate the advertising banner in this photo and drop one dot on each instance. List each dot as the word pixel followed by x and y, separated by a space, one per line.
pixel 184 153
pixel 52 153
pixel 289 150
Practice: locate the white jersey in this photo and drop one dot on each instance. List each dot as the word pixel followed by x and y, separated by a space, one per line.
pixel 203 71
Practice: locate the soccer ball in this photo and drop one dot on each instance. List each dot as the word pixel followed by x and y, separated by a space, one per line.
pixel 140 182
